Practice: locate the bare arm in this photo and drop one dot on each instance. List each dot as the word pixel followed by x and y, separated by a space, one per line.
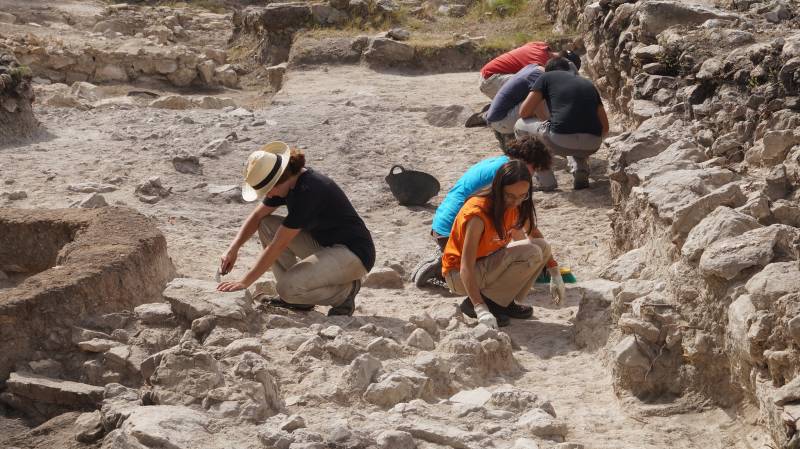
pixel 530 104
pixel 601 114
pixel 268 256
pixel 249 227
pixel 469 257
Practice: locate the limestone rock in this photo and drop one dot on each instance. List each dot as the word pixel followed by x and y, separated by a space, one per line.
pixel 118 404
pixel 395 439
pixel 163 426
pixel 152 190
pixel 445 436
pixel 93 201
pixel 217 148
pixel 89 427
pixel 226 76
pixel 154 313
pixel 184 375
pixel 86 91
pixel 688 216
pixel 656 16
pixel 292 423
pixel 775 280
pixel 277 439
pixel 421 339
pixel 357 376
pixel 385 52
pixel 276 75
pixel 627 354
pixel 542 424
pixel 625 267
pixel 426 322
pixel 384 277
pixel 91 187
pixel 722 223
pixel 477 397
pixel 384 348
pixel 726 258
pixel 177 102
pixel 237 347
pixel 187 163
pixel 209 102
pixel 400 386
pixel 54 391
pixel 192 298
pixel 97 345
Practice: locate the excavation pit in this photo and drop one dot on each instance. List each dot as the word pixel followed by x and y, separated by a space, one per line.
pixel 63 267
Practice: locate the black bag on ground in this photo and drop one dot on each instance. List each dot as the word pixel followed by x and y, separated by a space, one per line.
pixel 411 187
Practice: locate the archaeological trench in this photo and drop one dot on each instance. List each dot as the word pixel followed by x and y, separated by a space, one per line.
pixel 105 343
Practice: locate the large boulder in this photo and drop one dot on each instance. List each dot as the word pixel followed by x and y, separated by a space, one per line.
pixel 656 16
pixel 722 223
pixel 727 258
pixel 192 298
pixel 162 426
pixel 384 52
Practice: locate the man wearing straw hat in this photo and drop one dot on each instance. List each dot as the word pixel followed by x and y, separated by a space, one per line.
pixel 319 252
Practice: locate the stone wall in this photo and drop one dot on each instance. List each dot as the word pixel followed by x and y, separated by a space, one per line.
pixel 16 95
pixel 705 189
pixel 82 264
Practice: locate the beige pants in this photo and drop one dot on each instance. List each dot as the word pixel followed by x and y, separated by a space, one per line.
pixel 508 274
pixel 307 273
pixel 490 86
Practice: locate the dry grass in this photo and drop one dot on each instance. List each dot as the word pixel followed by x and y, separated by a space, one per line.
pixel 505 24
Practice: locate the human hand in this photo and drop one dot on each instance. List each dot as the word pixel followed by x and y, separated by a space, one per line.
pixel 227 261
pixel 485 317
pixel 557 288
pixel 231 286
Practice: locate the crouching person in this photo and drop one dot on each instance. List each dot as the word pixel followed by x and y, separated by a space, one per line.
pixel 319 252
pixel 492 255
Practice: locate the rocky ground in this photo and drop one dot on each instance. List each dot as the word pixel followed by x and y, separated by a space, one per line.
pixel 204 370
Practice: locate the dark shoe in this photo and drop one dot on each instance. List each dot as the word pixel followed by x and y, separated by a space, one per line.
pixel 519 311
pixel 580 183
pixel 278 302
pixel 349 305
pixel 500 313
pixel 467 308
pixel 426 271
pixel 476 120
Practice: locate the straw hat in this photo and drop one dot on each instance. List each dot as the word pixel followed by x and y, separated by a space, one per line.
pixel 264 168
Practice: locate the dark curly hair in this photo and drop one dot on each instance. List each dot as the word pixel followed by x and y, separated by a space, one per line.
pixel 297 161
pixel 531 151
pixel 557 63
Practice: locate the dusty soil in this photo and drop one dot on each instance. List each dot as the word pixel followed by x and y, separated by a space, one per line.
pixel 355 124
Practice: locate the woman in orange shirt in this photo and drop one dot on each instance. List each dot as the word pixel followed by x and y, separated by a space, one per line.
pixel 493 254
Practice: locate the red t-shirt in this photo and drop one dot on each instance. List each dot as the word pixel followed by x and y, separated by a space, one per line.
pixel 514 60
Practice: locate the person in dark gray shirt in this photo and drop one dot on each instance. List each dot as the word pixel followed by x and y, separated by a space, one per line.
pixel 578 121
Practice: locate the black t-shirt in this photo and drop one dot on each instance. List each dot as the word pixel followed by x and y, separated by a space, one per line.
pixel 573 102
pixel 318 206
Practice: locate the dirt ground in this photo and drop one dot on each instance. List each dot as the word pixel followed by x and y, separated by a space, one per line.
pixel 354 125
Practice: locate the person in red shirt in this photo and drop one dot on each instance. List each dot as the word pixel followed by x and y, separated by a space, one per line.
pixel 501 68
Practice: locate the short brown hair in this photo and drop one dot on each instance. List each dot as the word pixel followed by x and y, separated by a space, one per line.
pixel 297 161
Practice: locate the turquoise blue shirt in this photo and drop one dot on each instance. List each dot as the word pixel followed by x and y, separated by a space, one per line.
pixel 475 178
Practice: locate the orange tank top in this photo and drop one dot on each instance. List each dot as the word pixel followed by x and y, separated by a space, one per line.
pixel 490 241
